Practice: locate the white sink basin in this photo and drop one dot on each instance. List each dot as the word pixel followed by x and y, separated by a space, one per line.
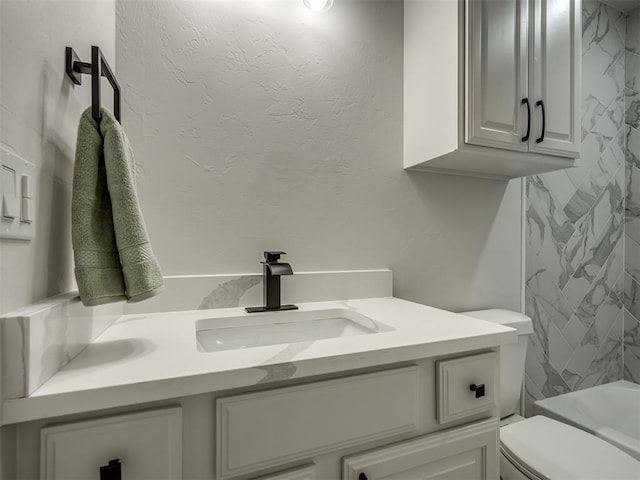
pixel 275 328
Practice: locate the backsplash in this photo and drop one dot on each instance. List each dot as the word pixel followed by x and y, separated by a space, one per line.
pixel 575 232
pixel 632 208
pixel 200 292
pixel 40 339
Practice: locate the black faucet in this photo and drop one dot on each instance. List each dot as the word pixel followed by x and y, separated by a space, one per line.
pixel 272 270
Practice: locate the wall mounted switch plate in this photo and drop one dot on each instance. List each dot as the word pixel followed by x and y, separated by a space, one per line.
pixel 17 194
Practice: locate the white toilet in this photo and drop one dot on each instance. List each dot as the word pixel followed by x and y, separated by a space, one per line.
pixel 539 448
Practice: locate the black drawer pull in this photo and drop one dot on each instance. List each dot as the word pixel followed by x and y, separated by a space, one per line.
pixel 112 471
pixel 525 101
pixel 479 389
pixel 362 476
pixel 540 104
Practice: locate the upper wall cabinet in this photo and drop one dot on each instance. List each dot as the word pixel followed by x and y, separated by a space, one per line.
pixel 492 87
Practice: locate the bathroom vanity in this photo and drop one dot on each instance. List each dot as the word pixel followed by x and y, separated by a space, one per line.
pixel 359 389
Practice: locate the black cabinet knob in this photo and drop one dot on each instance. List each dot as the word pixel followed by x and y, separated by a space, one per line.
pixel 479 389
pixel 112 471
pixel 362 476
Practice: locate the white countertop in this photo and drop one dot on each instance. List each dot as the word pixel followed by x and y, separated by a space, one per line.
pixel 144 358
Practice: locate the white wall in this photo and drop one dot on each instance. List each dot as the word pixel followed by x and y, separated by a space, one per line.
pixel 39 112
pixel 262 125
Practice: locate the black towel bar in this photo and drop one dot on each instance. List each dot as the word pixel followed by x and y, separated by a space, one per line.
pixel 97 68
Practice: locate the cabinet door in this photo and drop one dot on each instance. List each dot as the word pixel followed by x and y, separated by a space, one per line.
pixel 497 73
pixel 147 444
pixel 458 454
pixel 555 77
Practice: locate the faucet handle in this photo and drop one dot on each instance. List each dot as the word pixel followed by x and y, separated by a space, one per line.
pixel 271 256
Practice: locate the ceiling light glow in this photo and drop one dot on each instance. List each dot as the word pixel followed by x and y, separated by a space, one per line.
pixel 318 5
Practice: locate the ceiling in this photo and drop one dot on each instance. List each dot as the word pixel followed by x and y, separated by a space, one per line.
pixel 623 5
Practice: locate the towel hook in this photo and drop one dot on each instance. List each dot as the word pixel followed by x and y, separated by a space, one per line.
pixel 98 67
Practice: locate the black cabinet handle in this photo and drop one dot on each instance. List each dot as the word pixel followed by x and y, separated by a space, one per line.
pixel 479 389
pixel 112 471
pixel 540 104
pixel 525 101
pixel 362 476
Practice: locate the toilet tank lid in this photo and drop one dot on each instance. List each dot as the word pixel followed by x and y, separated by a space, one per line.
pixel 516 320
pixel 551 449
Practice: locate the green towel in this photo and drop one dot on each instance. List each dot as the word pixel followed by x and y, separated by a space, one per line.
pixel 113 257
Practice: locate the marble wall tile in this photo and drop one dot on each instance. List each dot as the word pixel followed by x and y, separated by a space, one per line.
pixel 603 288
pixel 560 184
pixel 632 148
pixel 602 47
pixel 599 176
pixel 548 227
pixel 547 340
pixel 541 375
pixel 609 124
pixel 632 71
pixel 593 223
pixel 632 200
pixel 546 293
pixel 630 286
pixel 595 337
pixel 632 258
pixel 531 394
pixel 631 295
pixel 632 108
pixel 593 258
pixel 632 37
pixel 577 291
pixel 631 352
pixel 607 365
pixel 592 149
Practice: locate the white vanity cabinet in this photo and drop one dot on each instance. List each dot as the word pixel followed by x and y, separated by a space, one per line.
pixel 492 87
pixel 417 419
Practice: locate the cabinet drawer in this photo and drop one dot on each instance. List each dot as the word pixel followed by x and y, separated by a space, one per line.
pixel 467 453
pixel 456 380
pixel 148 445
pixel 261 430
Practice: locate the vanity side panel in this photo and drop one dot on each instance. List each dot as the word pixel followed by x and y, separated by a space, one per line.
pixel 431 81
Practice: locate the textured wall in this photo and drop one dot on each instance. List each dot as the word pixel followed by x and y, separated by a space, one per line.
pixel 575 232
pixel 632 209
pixel 262 125
pixel 39 116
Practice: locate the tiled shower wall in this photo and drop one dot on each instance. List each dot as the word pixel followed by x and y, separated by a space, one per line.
pixel 632 207
pixel 575 223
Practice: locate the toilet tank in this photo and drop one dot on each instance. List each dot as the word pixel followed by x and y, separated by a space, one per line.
pixel 512 356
